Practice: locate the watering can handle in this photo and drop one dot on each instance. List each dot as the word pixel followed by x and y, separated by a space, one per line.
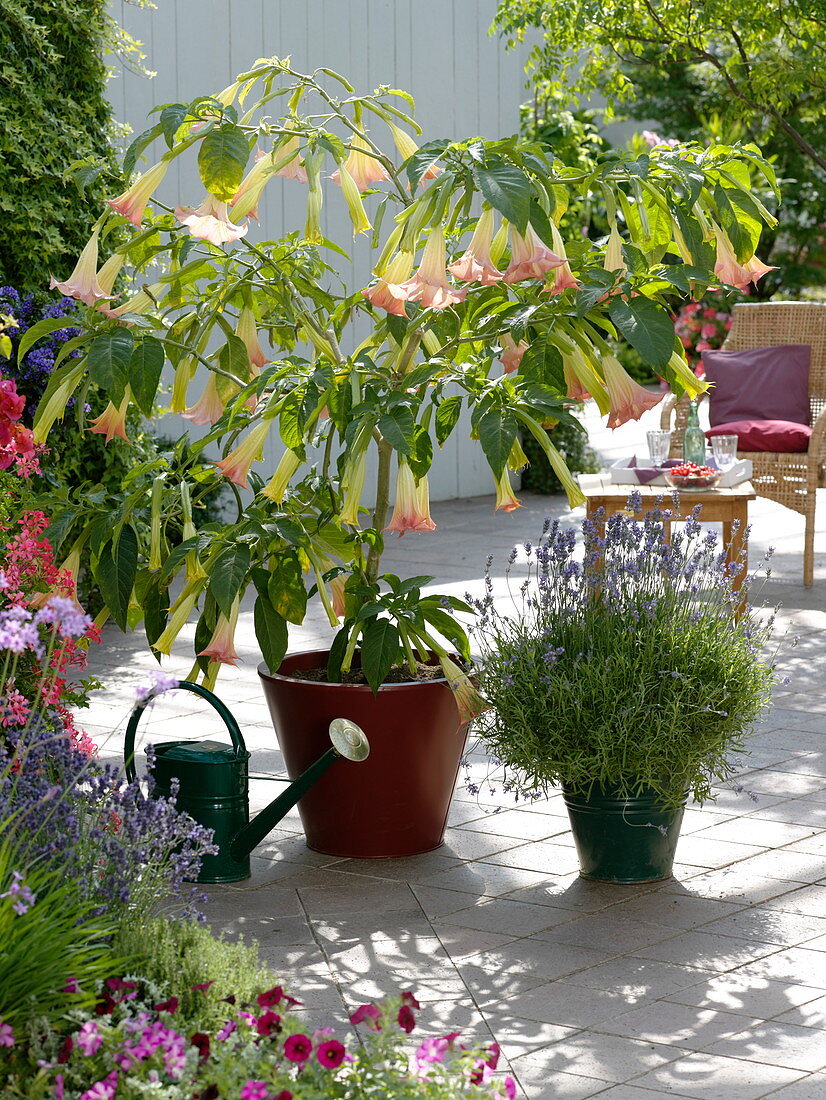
pixel 187 685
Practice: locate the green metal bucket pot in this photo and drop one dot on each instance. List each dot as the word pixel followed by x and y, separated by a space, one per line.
pixel 620 839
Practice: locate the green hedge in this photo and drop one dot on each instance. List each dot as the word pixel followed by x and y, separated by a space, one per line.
pixel 53 112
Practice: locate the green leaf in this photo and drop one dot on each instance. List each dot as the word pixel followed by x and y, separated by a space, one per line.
pixel 447 415
pixel 271 632
pixel 507 189
pixel 497 431
pixel 397 428
pixel 228 572
pixel 336 656
pixel 155 610
pixel 646 326
pixel 449 628
pixel 172 117
pixel 115 571
pixel 38 331
pixel 286 589
pixel 130 158
pixel 291 421
pixel 145 368
pixel 221 160
pixel 420 458
pixel 380 650
pixel 234 358
pixel 108 361
pixel 176 559
pixel 419 163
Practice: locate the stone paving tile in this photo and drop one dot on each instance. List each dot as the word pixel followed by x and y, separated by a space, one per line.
pixel 532 1073
pixel 707 949
pixel 777 1043
pixel 794 964
pixel 771 925
pixel 488 879
pixel 676 1024
pixel 607 1057
pixel 769 834
pixel 502 915
pixel 749 994
pixel 714 1077
pixel 806 1088
pixel 521 824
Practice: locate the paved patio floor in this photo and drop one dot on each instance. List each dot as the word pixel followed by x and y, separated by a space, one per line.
pixel 711 985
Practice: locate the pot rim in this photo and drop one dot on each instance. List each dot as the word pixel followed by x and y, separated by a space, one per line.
pixel 265 674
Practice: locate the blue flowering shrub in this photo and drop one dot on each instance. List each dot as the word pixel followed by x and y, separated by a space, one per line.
pixel 627 662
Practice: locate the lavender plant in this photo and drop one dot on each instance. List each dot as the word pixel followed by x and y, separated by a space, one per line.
pixel 628 662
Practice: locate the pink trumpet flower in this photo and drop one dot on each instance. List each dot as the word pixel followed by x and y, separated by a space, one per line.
pixel 530 259
pixel 475 265
pixel 221 646
pixel 245 330
pixel 429 285
pixel 112 421
pixel 757 269
pixel 505 498
pixel 468 699
pixel 83 283
pixel 292 167
pixel 628 399
pixel 362 166
pixel 236 466
pixel 408 514
pixel 387 293
pixel 141 302
pixel 512 352
pixel 210 222
pixel 337 596
pixel 407 148
pixel 563 276
pixel 575 389
pixel 245 201
pixel 729 270
pixel 132 203
pixel 209 409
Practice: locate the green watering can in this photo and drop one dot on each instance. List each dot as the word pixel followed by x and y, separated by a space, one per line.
pixel 213 784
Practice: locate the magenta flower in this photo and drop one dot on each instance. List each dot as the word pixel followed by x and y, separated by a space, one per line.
pixel 229 1027
pixel 271 997
pixel 432 1050
pixel 201 1043
pixel 331 1054
pixel 6 1035
pixel 366 1013
pixel 102 1090
pixel 510 1090
pixel 298 1048
pixel 406 1019
pixel 267 1023
pixel 89 1038
pixel 254 1090
pixel 170 1005
pixel 410 999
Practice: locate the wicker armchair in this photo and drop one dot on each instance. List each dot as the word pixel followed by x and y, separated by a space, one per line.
pixel 789 479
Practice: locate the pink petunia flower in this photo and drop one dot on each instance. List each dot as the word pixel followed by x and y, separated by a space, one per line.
pixel 368 1014
pixel 104 1089
pixel 6 1035
pixel 406 1019
pixel 331 1053
pixel 254 1090
pixel 89 1038
pixel 298 1048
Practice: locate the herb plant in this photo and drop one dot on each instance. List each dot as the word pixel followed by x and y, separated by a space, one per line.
pixel 629 665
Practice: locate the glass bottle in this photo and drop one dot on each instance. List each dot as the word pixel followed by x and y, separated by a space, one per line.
pixel 694 440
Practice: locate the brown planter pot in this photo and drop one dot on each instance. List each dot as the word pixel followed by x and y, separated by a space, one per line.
pixel 394 803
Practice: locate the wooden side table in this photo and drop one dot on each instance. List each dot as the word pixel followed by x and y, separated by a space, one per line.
pixel 717 506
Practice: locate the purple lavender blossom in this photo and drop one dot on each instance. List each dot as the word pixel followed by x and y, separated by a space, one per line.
pixel 161 681
pixel 65 616
pixel 22 897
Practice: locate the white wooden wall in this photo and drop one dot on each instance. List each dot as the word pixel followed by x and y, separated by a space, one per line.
pixel 463 81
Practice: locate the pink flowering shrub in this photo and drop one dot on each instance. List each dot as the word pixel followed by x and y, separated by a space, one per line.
pixel 702 326
pixel 138 1040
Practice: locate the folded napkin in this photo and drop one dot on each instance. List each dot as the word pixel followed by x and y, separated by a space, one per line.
pixel 644 474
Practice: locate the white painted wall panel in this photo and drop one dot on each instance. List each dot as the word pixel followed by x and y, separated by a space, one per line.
pixel 463 82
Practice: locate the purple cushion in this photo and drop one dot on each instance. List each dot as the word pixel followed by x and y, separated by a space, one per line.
pixel 780 436
pixel 759 384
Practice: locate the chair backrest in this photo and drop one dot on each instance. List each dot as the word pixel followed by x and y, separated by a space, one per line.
pixel 764 324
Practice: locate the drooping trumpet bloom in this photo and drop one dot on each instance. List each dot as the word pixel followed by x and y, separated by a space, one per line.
pixel 512 352
pixel 141 302
pixel 530 258
pixel 245 201
pixel 362 165
pixel 352 196
pixel 407 147
pixel 475 265
pixel 387 293
pixel 112 421
pixel 291 163
pixel 337 596
pixel 83 283
pixel 423 502
pixel 407 512
pixel 614 260
pixel 210 408
pixel 276 487
pixel 236 466
pixel 221 646
pixel 563 276
pixel 517 459
pixel 179 614
pixel 109 273
pixel 246 330
pixel 210 222
pixel 132 203
pixel 468 698
pixel 628 399
pixel 575 389
pixel 727 268
pixel 505 498
pixel 352 486
pixel 429 285
pixel 757 269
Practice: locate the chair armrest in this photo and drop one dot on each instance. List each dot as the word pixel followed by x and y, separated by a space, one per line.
pixel 817 443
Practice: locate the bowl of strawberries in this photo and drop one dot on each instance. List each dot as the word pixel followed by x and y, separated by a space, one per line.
pixel 691 477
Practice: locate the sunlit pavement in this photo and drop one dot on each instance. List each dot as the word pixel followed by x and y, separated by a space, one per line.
pixel 711 985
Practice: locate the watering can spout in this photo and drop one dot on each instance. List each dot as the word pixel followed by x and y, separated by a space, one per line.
pixel 348 741
pixel 213 784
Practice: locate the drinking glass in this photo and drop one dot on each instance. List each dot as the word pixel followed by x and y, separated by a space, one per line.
pixel 724 448
pixel 659 442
